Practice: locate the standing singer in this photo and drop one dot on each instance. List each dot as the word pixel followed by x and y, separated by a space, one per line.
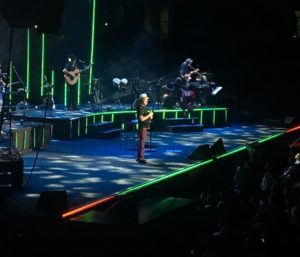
pixel 144 119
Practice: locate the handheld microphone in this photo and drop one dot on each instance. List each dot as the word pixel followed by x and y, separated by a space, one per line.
pixel 81 61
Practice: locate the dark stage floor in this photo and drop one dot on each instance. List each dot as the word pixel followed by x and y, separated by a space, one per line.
pixel 90 169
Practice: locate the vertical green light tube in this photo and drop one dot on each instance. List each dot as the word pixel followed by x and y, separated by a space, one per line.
pixel 65 94
pixel 214 118
pixel 42 65
pixel 92 44
pixel 28 64
pixel 10 77
pixel 78 92
pixel 52 81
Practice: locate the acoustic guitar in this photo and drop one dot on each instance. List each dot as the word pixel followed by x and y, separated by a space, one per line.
pixel 72 77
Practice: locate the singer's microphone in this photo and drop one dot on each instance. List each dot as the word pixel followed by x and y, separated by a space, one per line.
pixel 81 61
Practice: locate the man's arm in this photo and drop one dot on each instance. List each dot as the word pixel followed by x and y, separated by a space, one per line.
pixel 146 117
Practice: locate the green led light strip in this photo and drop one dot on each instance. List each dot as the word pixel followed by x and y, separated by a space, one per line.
pixel 42 65
pixel 65 94
pixel 162 178
pixel 52 81
pixel 92 44
pixel 28 64
pixel 10 77
pixel 78 91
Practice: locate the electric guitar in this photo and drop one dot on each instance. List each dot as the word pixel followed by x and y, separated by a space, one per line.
pixel 72 77
pixel 188 76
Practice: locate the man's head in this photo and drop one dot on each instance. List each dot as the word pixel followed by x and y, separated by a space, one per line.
pixel 72 58
pixel 144 98
pixel 189 61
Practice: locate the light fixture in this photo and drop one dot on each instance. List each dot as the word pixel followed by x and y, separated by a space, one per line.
pixel 120 83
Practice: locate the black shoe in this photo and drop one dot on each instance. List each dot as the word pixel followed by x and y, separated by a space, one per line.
pixel 142 162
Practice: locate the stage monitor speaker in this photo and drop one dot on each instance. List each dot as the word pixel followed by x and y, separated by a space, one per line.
pixel 217 148
pixel 11 168
pixel 46 14
pixel 201 153
pixel 53 202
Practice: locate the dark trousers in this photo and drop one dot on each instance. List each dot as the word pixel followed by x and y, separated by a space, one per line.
pixel 72 97
pixel 142 134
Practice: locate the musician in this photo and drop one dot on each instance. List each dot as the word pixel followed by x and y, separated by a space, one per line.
pixel 144 118
pixel 187 99
pixel 72 94
pixel 2 87
pixel 186 68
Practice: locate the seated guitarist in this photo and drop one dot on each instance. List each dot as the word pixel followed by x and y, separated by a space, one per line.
pixel 186 69
pixel 71 79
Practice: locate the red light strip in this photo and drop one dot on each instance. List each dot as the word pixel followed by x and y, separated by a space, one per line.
pixel 293 129
pixel 87 206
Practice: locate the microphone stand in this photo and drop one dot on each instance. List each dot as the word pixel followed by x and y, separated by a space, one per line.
pixel 4 94
pixel 23 102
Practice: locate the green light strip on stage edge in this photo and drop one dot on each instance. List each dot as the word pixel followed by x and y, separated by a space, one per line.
pixel 214 118
pixel 34 137
pixel 25 140
pixel 159 179
pixel 86 125
pixel 52 81
pixel 270 138
pixel 28 64
pixel 164 177
pixel 156 111
pixel 10 77
pixel 78 127
pixel 92 44
pixel 78 92
pixel 201 117
pixel 42 65
pixel 16 140
pixel 188 168
pixel 65 94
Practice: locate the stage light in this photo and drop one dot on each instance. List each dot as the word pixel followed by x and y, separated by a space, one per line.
pixel 116 82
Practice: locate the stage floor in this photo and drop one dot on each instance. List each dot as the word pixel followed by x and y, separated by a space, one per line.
pixel 89 169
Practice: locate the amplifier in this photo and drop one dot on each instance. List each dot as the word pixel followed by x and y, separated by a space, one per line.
pixel 11 168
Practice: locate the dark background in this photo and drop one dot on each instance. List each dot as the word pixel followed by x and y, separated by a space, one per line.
pixel 249 47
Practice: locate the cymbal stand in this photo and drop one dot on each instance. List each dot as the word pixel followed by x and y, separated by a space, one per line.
pixel 22 90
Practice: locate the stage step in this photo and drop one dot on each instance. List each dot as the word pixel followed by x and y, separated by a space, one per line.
pixel 103 129
pixel 184 128
pixel 99 126
pixel 110 133
pixel 179 121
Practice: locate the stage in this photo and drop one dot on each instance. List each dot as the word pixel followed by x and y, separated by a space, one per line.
pixel 89 168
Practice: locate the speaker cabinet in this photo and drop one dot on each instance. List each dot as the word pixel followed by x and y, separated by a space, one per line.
pixel 201 153
pixel 217 148
pixel 53 203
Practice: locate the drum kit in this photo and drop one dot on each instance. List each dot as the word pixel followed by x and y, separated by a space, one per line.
pixel 201 83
